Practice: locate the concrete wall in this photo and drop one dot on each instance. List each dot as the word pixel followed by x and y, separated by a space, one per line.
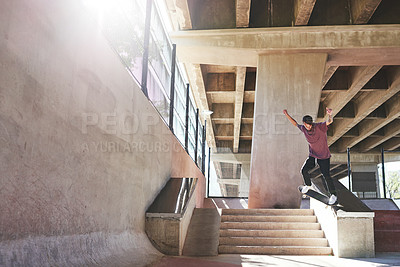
pixel 387 230
pixel 83 153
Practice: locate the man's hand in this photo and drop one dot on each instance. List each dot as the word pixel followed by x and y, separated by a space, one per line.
pixel 330 119
pixel 285 111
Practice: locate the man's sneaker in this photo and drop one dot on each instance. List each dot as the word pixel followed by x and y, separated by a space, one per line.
pixel 332 200
pixel 305 189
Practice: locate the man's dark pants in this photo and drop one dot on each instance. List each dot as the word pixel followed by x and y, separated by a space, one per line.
pixel 324 166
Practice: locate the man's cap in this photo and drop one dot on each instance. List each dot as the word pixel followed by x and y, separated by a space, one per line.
pixel 308 119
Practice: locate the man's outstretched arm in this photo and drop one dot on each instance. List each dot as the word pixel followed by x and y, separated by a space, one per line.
pixel 330 118
pixel 293 121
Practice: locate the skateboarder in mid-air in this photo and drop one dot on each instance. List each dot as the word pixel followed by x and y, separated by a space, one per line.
pixel 316 137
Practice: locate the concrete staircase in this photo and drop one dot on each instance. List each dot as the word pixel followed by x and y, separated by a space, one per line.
pixel 271 232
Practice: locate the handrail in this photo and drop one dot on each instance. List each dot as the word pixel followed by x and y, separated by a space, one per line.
pixel 173 199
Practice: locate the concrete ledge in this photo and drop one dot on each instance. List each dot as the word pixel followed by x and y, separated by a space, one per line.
pixel 350 234
pixel 167 230
pixel 346 214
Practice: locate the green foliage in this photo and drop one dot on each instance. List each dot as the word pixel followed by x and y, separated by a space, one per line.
pixel 393 184
pixel 126 36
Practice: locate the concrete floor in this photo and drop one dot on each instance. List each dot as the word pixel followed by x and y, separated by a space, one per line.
pixel 230 260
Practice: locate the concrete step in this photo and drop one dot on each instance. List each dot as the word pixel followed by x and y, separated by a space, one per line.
pixel 268 241
pixel 270 225
pixel 264 218
pixel 272 233
pixel 269 212
pixel 275 250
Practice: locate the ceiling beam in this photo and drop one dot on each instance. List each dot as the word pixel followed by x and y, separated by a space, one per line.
pixel 369 157
pixel 392 144
pixel 329 71
pixel 368 127
pixel 362 10
pixel 242 13
pixel 221 97
pixel 353 45
pixel 340 173
pixel 363 109
pixel 367 104
pixel 229 181
pixel 239 96
pixel 223 120
pixel 391 130
pixel 338 82
pixel 224 137
pixel 360 76
pixel 302 11
pixel 316 171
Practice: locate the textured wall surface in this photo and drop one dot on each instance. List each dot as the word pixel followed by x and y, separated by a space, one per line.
pixel 387 230
pixel 82 152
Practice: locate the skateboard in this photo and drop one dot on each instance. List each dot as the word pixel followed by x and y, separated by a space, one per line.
pixel 318 196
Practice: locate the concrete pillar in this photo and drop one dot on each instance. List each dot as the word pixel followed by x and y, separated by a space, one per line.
pixel 244 180
pixel 291 82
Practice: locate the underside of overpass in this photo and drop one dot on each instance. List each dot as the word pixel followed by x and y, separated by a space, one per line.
pixel 220 43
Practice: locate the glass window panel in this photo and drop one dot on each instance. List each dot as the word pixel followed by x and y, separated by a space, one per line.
pixel 161 70
pixel 180 84
pixel 157 96
pixel 179 129
pixel 180 108
pixel 160 35
pixel 191 149
pixel 125 34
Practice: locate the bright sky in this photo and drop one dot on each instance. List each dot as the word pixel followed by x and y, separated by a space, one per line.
pixel 391 166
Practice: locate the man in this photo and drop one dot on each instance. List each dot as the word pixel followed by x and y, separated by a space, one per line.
pixel 316 137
